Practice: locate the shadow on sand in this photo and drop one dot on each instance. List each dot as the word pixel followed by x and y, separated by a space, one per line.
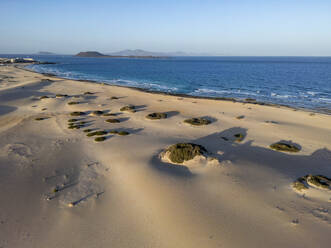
pixel 293 165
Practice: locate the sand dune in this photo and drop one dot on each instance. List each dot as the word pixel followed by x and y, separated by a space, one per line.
pixel 61 188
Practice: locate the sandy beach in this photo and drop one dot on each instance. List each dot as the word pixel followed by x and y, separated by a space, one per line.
pixel 63 188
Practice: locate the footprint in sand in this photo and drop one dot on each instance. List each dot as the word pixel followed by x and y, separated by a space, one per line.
pixel 19 152
pixel 75 189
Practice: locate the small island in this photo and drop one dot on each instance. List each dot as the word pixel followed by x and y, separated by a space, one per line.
pixel 95 54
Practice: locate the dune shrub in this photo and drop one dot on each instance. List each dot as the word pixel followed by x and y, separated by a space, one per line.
pixel 156 116
pixel 199 121
pixel 178 153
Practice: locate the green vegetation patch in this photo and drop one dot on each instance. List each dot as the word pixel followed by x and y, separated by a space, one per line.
pixel 73 103
pixel 97 112
pixel 99 139
pixel 77 113
pixel 61 95
pixel 199 121
pixel 113 120
pixel 123 133
pixel 319 181
pixel 128 108
pixel 75 126
pixel 285 147
pixel 156 116
pixel 300 184
pixel 41 118
pixel 178 153
pixel 96 133
pixel 239 137
pixel 88 130
pixel 108 114
pixel 113 131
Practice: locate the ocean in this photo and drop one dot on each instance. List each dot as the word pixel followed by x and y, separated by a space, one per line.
pixel 302 82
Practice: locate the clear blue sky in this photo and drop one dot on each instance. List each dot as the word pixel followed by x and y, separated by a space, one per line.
pixel 229 27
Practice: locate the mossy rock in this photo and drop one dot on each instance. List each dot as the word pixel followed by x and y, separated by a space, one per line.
pixel 239 137
pixel 178 153
pixel 97 112
pixel 319 181
pixel 128 108
pixel 88 93
pixel 96 133
pixel 41 118
pixel 285 147
pixel 113 120
pixel 77 113
pixel 156 116
pixel 199 121
pixel 43 97
pixel 73 103
pixel 99 139
pixel 123 133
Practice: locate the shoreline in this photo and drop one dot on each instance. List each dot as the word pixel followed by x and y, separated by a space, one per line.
pixel 230 99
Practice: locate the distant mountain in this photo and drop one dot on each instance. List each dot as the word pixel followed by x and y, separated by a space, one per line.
pixel 45 53
pixel 90 54
pixel 94 54
pixel 140 52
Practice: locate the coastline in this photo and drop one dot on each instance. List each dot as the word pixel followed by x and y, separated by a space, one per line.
pixel 79 170
pixel 231 99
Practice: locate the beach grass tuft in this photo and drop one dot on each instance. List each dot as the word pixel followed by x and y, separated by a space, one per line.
pixel 239 137
pixel 99 139
pixel 97 112
pixel 61 95
pixel 113 132
pixel 88 130
pixel 319 181
pixel 97 133
pixel 128 108
pixel 73 103
pixel 300 184
pixel 77 113
pixel 112 120
pixel 199 121
pixel 285 147
pixel 156 116
pixel 123 133
pixel 41 118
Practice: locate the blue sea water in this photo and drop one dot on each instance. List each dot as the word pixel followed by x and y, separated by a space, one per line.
pixel 294 81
